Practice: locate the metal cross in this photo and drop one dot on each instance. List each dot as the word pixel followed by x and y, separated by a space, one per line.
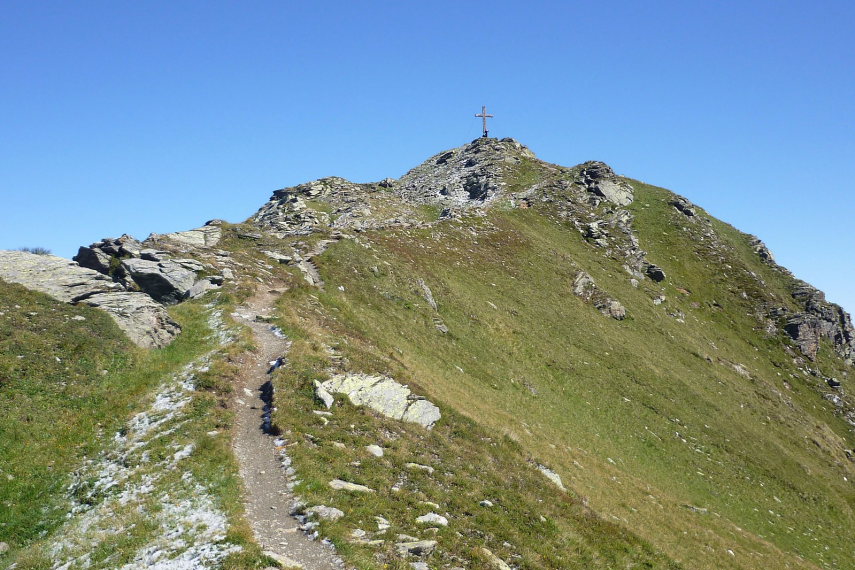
pixel 484 116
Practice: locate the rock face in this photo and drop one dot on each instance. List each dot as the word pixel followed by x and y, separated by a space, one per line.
pixel 384 395
pixel 467 176
pixel 820 320
pixel 598 178
pixel 145 322
pixel 208 235
pixel 167 281
pixel 60 278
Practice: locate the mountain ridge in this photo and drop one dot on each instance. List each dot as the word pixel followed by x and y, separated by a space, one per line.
pixel 688 393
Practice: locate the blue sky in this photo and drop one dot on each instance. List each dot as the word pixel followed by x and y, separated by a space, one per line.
pixel 157 116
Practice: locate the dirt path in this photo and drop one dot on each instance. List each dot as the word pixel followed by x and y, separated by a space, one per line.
pixel 268 499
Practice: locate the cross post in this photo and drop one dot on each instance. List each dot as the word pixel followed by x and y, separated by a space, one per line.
pixel 484 116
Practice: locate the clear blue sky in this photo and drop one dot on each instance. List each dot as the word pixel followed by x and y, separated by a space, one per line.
pixel 152 116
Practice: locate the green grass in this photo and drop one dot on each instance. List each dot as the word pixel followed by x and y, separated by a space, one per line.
pixel 645 417
pixel 77 383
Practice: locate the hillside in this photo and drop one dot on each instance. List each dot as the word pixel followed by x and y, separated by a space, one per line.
pixel 611 377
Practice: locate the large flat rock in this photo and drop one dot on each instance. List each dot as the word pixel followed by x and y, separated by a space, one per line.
pixel 145 322
pixel 60 278
pixel 167 281
pixel 382 394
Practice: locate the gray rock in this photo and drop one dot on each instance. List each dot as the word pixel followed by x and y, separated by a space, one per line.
pixel 145 322
pixel 420 467
pixel 58 277
pixel 762 251
pixel 432 518
pixel 655 272
pixel 416 547
pixel 599 179
pixel 584 286
pixel 374 450
pixel 339 485
pixel 428 295
pixel 201 287
pixel 804 329
pixel 93 258
pixel 282 560
pixel 419 566
pixel 614 309
pixel 494 560
pixel 383 395
pixel 486 503
pixel 325 512
pixel 166 281
pixel 4 548
pixel 206 236
pixel 103 256
pixel 683 206
pixel 551 475
pixel 278 257
pixel 323 395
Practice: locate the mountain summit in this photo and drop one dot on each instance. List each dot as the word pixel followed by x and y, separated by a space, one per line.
pixel 490 362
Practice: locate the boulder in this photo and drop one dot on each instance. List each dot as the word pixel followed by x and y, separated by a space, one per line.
pixel 325 512
pixel 432 518
pixel 201 287
pixel 384 395
pixel 655 272
pixel 683 206
pixel 145 322
pixel 551 475
pixel 416 547
pixel 99 255
pixel 166 281
pixel 339 485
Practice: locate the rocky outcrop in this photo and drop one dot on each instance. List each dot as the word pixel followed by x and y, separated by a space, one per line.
pixel 683 206
pixel 819 320
pixel 585 287
pixel 654 272
pixel 60 278
pixel 167 281
pixel 145 322
pixel 382 394
pixel 208 235
pixel 599 179
pixel 466 176
pixel 142 319
pixel 762 251
pixel 138 266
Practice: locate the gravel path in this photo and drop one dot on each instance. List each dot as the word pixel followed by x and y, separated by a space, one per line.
pixel 268 499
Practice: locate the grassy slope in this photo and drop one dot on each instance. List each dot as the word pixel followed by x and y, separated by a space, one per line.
pixel 66 386
pixel 645 417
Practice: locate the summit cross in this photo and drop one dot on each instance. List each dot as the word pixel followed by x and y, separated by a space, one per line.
pixel 484 116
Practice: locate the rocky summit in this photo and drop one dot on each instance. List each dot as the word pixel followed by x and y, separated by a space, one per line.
pixel 489 362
